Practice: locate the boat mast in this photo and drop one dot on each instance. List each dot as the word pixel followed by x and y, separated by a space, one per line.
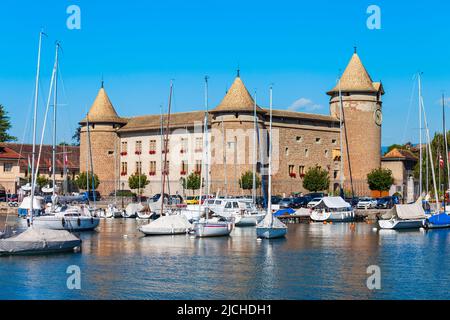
pixel 269 187
pixel 420 135
pixel 166 143
pixel 254 152
pixel 202 165
pixel 341 141
pixel 225 159
pixel 430 153
pixel 55 101
pixel 445 149
pixel 206 141
pixel 36 95
pixel 162 143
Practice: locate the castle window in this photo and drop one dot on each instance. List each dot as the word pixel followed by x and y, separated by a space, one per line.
pixel 152 170
pixel 326 153
pixel 318 140
pixel 336 155
pixel 110 152
pixel 287 151
pixel 138 167
pixel 301 170
pixel 124 148
pixel 123 168
pixel 306 152
pixel 152 147
pixel 166 168
pixel 138 148
pixel 184 145
pixel 198 144
pixel 166 143
pixel 291 171
pixel 184 168
pixel 299 139
pixel 198 166
pixel 333 141
pixel 335 174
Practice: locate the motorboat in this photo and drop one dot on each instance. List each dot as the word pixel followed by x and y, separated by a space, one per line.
pixel 332 209
pixel 72 218
pixel 243 211
pixel 404 216
pixel 213 227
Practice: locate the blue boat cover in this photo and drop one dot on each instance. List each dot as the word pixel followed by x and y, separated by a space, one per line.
pixel 283 212
pixel 439 219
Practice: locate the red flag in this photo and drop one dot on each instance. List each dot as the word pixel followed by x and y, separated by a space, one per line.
pixel 441 161
pixel 66 161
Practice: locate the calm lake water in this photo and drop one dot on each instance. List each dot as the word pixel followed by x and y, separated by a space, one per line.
pixel 315 261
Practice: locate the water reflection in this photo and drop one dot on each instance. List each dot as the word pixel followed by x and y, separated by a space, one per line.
pixel 315 261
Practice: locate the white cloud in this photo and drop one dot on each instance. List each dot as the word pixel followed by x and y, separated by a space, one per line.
pixel 304 104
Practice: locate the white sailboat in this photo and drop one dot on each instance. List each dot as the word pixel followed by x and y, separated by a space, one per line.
pixel 61 217
pixel 271 227
pixel 36 240
pixel 166 224
pixel 412 216
pixel 215 226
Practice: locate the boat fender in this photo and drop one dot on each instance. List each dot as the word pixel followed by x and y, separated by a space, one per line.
pixel 63 222
pixel 79 222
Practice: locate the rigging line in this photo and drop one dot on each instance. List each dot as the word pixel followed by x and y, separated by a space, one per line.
pixel 27 123
pixel 68 134
pixel 409 107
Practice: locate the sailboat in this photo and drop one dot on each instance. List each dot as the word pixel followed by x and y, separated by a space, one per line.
pixel 270 227
pixel 335 209
pixel 166 224
pixel 215 226
pixel 440 219
pixel 35 239
pixel 61 217
pixel 412 216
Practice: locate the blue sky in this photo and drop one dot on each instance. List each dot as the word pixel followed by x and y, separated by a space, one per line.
pixel 300 46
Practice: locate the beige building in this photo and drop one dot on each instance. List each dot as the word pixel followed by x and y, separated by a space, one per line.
pixel 15 160
pixel 121 146
pixel 401 163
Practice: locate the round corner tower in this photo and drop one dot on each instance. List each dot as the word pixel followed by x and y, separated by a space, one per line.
pixel 362 116
pixel 103 142
pixel 232 128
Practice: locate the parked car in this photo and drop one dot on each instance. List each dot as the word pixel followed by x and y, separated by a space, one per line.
pixel 301 202
pixel 192 200
pixel 2 195
pixel 314 202
pixel 385 203
pixel 313 195
pixel 276 199
pixel 286 203
pixel 12 197
pixel 352 200
pixel 366 203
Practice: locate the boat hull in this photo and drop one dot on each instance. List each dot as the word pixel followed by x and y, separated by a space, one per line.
pixel 215 229
pixel 346 216
pixel 401 224
pixel 437 221
pixel 162 231
pixel 67 223
pixel 270 233
pixel 47 242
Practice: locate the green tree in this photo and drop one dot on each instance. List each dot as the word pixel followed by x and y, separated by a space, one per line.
pixel 76 137
pixel 316 179
pixel 138 182
pixel 380 179
pixel 246 181
pixel 192 182
pixel 81 181
pixel 5 125
pixel 41 181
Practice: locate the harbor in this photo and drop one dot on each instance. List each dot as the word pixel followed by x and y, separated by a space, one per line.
pixel 325 262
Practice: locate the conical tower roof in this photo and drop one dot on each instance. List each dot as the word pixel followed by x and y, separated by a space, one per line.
pixel 237 99
pixel 355 78
pixel 102 110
